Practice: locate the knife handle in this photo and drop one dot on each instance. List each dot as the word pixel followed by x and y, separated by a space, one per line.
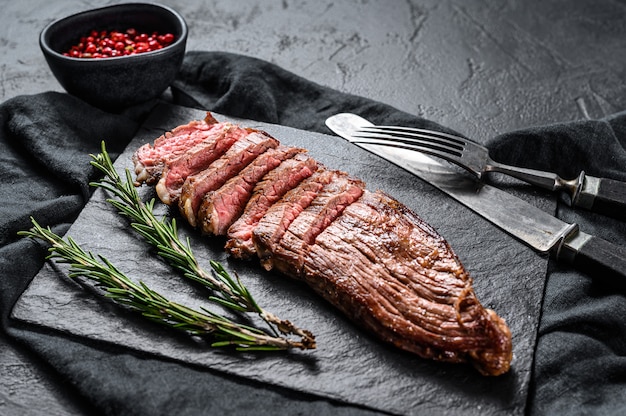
pixel 602 195
pixel 590 253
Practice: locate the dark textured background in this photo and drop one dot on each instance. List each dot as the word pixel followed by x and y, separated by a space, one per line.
pixel 479 67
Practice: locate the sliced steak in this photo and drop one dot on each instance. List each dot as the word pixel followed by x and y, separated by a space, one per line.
pixel 243 152
pixel 271 189
pixel 365 252
pixel 221 207
pixel 270 228
pixel 391 272
pixel 150 159
pixel 287 254
pixel 195 160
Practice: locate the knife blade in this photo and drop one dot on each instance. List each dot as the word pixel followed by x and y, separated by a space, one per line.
pixel 531 225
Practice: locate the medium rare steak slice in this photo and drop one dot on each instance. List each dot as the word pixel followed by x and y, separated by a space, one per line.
pixel 151 159
pixel 287 254
pixel 195 160
pixel 242 153
pixel 392 273
pixel 277 218
pixel 221 207
pixel 266 193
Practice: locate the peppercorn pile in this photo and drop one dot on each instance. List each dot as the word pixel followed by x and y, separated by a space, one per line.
pixel 109 44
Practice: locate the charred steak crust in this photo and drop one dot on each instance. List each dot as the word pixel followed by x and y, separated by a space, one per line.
pixel 366 253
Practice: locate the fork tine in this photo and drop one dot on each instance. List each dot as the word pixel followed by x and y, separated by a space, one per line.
pixel 446 139
pixel 446 153
pixel 419 143
pixel 422 143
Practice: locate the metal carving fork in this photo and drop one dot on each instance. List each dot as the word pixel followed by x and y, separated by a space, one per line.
pixel 602 195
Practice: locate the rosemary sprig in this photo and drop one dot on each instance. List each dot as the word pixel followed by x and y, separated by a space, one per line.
pixel 152 305
pixel 163 235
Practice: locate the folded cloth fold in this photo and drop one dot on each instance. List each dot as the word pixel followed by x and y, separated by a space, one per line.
pixel 45 141
pixel 597 147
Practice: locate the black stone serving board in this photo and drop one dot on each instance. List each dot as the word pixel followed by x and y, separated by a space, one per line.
pixel 349 365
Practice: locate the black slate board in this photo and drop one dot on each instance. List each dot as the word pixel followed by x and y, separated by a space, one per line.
pixel 349 365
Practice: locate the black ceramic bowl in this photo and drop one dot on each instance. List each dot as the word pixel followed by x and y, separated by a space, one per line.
pixel 117 82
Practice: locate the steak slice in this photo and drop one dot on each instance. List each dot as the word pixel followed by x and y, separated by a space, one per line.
pixel 287 254
pixel 225 204
pixel 150 159
pixel 272 188
pixel 271 227
pixel 242 153
pixel 395 275
pixel 195 160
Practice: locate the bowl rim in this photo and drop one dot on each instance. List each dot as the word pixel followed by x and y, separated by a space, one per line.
pixel 182 39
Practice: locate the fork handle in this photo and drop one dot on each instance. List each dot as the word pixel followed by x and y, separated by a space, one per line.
pixel 602 195
pixel 546 180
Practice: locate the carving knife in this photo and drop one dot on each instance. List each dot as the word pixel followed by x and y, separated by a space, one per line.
pixel 538 229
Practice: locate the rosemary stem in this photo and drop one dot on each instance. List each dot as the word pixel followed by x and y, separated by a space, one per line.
pixel 154 306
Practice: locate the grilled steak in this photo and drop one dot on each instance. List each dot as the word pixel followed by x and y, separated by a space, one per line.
pixel 150 160
pixel 271 227
pixel 221 207
pixel 267 192
pixel 405 284
pixel 366 253
pixel 286 254
pixel 243 152
pixel 196 159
